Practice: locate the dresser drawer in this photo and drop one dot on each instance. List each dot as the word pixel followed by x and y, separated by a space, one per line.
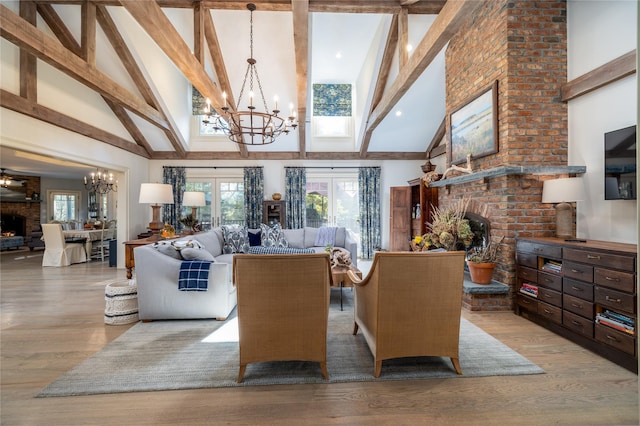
pixel 552 281
pixel 615 261
pixel 527 259
pixel 617 339
pixel 527 274
pixel 544 250
pixel 615 299
pixel 577 271
pixel 623 281
pixel 578 289
pixel 552 313
pixel 577 324
pixel 577 306
pixel 527 303
pixel 550 296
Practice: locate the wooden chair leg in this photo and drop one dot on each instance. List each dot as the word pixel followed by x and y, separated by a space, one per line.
pixel 325 373
pixel 241 372
pixel 377 369
pixel 355 328
pixel 456 365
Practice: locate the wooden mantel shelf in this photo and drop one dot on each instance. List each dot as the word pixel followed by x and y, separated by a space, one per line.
pixel 509 171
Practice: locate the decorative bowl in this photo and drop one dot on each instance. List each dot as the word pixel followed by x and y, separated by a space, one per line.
pixel 276 196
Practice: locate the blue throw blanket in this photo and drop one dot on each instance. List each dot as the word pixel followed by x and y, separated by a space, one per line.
pixel 194 275
pixel 326 235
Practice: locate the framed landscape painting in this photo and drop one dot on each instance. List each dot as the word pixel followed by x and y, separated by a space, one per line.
pixel 474 127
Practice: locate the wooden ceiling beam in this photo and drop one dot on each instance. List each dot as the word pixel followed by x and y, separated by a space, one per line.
pixel 24 106
pixel 28 63
pixel 198 31
pixel 143 84
pixel 403 37
pixel 55 24
pixel 24 35
pixel 288 155
pixel 88 32
pixel 219 67
pixel 453 15
pixel 383 75
pixel 301 46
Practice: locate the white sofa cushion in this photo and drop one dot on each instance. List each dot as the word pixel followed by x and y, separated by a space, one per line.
pixel 295 237
pixel 211 240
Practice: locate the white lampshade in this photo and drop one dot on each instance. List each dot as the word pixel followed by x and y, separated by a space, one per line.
pixel 193 199
pixel 564 190
pixel 156 193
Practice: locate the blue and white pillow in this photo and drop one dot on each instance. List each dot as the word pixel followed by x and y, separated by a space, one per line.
pixel 236 239
pixel 272 236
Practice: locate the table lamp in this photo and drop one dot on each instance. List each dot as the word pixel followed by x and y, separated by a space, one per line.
pixel 563 191
pixel 156 194
pixel 194 199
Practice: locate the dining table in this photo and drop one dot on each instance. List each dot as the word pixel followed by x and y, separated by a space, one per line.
pixel 89 236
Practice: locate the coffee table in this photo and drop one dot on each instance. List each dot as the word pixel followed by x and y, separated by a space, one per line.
pixel 340 277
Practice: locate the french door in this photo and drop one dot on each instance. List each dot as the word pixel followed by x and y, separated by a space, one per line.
pixel 224 197
pixel 333 201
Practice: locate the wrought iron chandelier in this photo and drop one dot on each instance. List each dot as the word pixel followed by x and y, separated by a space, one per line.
pixel 101 182
pixel 250 127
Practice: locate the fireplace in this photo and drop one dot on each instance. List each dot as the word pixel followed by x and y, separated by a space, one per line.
pixel 13 223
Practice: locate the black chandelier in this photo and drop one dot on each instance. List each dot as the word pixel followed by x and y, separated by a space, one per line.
pixel 101 182
pixel 250 127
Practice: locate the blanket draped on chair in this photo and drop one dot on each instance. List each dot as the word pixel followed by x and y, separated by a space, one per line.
pixel 194 275
pixel 326 235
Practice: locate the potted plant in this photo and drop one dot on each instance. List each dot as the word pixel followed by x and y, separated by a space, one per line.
pixel 449 229
pixel 190 222
pixel 481 261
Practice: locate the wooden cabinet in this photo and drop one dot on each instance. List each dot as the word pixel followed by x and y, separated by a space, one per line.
pixel 273 212
pixel 410 208
pixel 584 291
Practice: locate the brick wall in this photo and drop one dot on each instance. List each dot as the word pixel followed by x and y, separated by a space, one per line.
pixel 30 210
pixel 521 45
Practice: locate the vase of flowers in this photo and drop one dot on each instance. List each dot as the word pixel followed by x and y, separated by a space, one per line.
pixel 449 229
pixel 190 222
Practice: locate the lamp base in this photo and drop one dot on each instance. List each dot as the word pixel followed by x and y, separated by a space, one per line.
pixel 156 225
pixel 564 220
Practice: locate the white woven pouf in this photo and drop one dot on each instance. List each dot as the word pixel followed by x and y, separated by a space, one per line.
pixel 122 302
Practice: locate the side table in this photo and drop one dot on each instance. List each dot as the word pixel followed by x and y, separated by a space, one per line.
pixel 129 261
pixel 340 277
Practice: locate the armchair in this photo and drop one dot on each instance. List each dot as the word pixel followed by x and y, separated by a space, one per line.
pixel 57 252
pixel 283 307
pixel 410 304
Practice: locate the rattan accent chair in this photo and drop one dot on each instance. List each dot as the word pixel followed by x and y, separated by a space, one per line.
pixel 283 307
pixel 409 305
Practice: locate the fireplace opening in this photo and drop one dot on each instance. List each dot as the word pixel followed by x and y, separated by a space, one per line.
pixel 481 227
pixel 13 223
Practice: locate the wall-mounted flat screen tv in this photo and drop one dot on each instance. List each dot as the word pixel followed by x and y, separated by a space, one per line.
pixel 620 164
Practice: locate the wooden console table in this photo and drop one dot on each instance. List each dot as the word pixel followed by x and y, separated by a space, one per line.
pixel 129 261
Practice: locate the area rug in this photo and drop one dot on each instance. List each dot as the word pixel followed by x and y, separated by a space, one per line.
pixel 190 354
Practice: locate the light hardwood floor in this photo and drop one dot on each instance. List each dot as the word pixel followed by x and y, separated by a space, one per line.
pixel 52 319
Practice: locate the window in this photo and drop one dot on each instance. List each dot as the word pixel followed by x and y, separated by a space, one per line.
pixel 224 197
pixel 333 201
pixel 64 205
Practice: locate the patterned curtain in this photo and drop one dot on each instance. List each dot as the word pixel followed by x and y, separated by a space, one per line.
pixel 296 197
pixel 253 196
pixel 177 177
pixel 370 229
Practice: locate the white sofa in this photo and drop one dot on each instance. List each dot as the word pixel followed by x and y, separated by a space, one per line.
pixel 157 276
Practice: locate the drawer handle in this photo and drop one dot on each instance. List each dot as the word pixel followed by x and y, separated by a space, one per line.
pixel 546 311
pixel 526 302
pixel 548 280
pixel 537 249
pixel 575 271
pixel 575 305
pixel 612 338
pixel 612 279
pixel 574 322
pixel 576 288
pixel 590 256
pixel 548 296
pixel 611 299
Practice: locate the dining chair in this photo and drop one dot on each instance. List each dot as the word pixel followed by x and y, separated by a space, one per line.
pixel 100 247
pixel 57 252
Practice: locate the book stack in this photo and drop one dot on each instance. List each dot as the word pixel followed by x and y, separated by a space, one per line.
pixel 552 266
pixel 529 289
pixel 617 321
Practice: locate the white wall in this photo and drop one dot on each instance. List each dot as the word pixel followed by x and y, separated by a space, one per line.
pixel 598 32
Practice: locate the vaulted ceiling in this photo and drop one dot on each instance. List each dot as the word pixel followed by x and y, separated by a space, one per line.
pixel 121 72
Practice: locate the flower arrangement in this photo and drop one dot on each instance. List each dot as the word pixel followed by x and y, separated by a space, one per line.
pixel 419 243
pixel 189 221
pixel 449 229
pixel 168 231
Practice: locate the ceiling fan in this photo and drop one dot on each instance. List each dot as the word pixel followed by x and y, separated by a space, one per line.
pixel 7 181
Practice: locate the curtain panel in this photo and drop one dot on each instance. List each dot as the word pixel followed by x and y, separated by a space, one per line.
pixel 253 196
pixel 177 178
pixel 370 226
pixel 296 197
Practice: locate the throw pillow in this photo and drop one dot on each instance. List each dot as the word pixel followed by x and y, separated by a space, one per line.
pixel 192 253
pixel 255 238
pixel 168 249
pixel 236 239
pixel 273 236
